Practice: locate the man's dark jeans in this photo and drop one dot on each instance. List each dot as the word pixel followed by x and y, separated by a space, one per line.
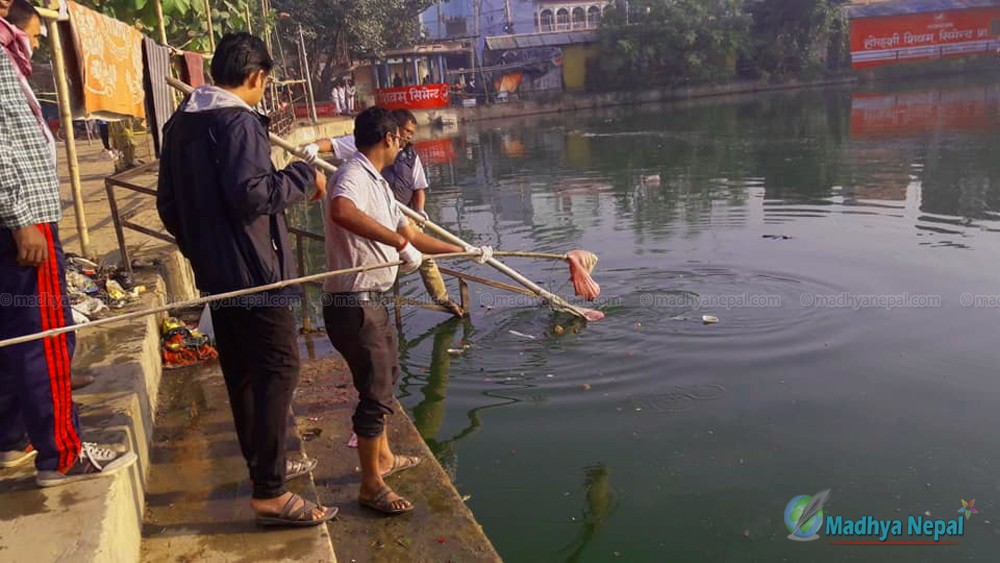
pixel 259 355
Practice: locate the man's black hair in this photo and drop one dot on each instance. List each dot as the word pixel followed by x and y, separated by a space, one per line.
pixel 238 56
pixel 372 125
pixel 404 117
pixel 21 12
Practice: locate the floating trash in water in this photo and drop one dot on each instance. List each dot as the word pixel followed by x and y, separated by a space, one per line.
pixel 456 351
pixel 776 237
pixel 521 335
pixel 709 319
pixel 558 330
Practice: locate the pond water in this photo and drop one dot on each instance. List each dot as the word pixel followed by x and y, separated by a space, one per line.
pixel 847 241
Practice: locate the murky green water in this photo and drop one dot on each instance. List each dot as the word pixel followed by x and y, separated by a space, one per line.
pixel 834 235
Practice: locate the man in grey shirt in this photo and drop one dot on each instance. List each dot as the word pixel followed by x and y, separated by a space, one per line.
pixel 408 182
pixel 364 226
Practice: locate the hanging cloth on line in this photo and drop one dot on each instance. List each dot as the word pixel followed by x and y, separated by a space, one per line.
pixel 159 95
pixel 106 65
pixel 194 70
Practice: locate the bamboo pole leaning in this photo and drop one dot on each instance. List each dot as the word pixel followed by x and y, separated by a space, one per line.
pixel 66 120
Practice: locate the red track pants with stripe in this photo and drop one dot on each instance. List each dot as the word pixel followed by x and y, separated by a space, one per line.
pixel 35 400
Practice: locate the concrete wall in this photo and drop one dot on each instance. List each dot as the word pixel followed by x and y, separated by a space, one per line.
pixel 574 102
pixel 575 59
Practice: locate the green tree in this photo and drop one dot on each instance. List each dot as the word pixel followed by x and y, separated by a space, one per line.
pixel 672 41
pixel 185 20
pixel 794 37
pixel 338 32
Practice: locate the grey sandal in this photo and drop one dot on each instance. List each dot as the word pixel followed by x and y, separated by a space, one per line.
pixel 295 468
pixel 300 517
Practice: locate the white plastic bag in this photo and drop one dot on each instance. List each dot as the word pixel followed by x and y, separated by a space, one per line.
pixel 205 323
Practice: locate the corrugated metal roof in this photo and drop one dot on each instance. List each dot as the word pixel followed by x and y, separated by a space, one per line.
pixel 900 7
pixel 548 39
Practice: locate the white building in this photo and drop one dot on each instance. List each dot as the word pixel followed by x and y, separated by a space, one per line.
pixel 554 15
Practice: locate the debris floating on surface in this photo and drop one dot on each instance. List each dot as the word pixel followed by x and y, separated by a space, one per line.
pixel 709 319
pixel 521 335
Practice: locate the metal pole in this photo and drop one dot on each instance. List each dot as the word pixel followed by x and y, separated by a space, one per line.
pixel 211 28
pixel 66 117
pixel 161 24
pixel 305 74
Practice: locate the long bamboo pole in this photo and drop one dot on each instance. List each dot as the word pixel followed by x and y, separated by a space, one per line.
pixel 242 293
pixel 193 303
pixel 552 299
pixel 211 28
pixel 161 23
pixel 66 117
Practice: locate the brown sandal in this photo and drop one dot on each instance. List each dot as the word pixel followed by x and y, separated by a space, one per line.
pixel 299 517
pixel 402 463
pixel 382 504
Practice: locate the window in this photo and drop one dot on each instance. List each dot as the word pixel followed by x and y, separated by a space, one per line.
pixel 593 16
pixel 579 18
pixel 547 21
pixel 562 19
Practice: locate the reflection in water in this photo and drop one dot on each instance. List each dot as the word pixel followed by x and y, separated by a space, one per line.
pixel 601 503
pixel 739 208
pixel 428 415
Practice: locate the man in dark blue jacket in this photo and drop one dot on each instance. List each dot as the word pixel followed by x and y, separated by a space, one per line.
pixel 221 198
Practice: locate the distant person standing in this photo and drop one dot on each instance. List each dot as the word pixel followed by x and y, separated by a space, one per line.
pixel 224 203
pixel 338 94
pixel 397 81
pixel 352 93
pixel 102 128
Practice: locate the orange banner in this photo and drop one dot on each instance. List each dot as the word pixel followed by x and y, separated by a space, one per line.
pixel 428 96
pixel 914 37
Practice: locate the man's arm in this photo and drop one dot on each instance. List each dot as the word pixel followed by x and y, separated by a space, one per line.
pixel 345 213
pixel 418 201
pixel 426 243
pixel 249 183
pixel 14 211
pixel 166 201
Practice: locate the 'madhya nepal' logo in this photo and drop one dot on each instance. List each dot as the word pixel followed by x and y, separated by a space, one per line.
pixel 804 518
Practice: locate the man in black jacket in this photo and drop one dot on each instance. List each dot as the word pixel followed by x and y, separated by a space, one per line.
pixel 224 202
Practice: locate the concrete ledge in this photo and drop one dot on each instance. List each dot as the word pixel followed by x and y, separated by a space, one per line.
pixel 563 102
pixel 98 520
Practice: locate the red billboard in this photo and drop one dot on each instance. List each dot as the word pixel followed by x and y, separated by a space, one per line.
pixel 914 37
pixel 428 96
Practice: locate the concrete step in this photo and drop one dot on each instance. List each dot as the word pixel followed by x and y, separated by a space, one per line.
pixel 97 520
pixel 198 499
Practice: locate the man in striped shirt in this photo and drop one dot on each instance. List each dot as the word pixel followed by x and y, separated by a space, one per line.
pixel 37 417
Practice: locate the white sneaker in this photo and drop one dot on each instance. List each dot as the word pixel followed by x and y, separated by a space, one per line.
pixel 14 458
pixel 94 461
